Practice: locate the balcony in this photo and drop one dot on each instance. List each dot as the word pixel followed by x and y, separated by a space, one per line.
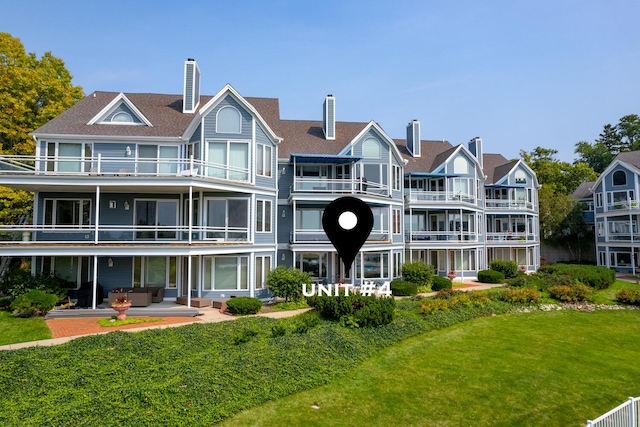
pixel 441 236
pixel 510 205
pixel 136 234
pixel 119 166
pixel 624 205
pixel 319 236
pixel 413 195
pixel 339 186
pixel 510 237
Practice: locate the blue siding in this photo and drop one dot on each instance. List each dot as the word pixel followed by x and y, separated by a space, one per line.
pixel 196 135
pixel 608 179
pixel 115 151
pixel 118 276
pixel 188 89
pixel 266 238
pixel 263 181
pixel 210 121
pixel 285 180
pixel 285 224
pixel 288 258
pixel 384 147
pixel 122 108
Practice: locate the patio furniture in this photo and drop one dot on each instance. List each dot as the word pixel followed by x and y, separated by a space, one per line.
pixel 138 299
pixel 195 301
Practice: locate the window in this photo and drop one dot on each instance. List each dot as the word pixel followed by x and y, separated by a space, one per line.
pixel 460 165
pixel 600 228
pixel 313 263
pixel 371 148
pixel 263 266
pixel 397 177
pixel 228 160
pixel 520 177
pixel 155 271
pixel 619 178
pixel 153 159
pixel 376 265
pixel 68 157
pixel 228 219
pixel 263 160
pixel 263 216
pixel 69 213
pixel 598 200
pixel 396 221
pixel 228 120
pixel 122 117
pixel 226 273
pixel 380 220
pixel 156 219
pixel 620 259
pixel 397 264
pixel 73 269
pixel 309 219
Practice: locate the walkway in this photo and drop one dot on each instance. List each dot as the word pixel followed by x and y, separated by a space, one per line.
pixel 64 330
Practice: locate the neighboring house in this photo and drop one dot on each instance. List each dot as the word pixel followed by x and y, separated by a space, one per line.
pixel 464 208
pixel 617 212
pixel 208 193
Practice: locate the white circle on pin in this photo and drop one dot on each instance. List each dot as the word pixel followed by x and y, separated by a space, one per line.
pixel 347 220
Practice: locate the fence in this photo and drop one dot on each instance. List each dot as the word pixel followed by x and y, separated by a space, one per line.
pixel 625 415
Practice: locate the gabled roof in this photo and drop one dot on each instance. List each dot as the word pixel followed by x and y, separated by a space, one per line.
pixel 306 136
pixel 120 99
pixel 584 190
pixel 430 152
pixel 496 167
pixel 163 111
pixel 629 157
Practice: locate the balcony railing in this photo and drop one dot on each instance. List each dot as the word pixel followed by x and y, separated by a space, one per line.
pixel 319 236
pixel 333 186
pixel 624 205
pixel 122 234
pixel 438 196
pixel 440 236
pixel 510 236
pixel 119 166
pixel 508 204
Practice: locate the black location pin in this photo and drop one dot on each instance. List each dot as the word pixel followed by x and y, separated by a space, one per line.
pixel 348 222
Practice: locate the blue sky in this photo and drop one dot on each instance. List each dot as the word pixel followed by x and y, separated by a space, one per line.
pixel 519 74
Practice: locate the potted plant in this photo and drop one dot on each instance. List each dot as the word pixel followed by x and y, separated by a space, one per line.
pixel 451 275
pixel 121 304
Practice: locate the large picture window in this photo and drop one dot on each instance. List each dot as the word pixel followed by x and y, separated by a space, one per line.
pixel 228 160
pixel 74 270
pixel 313 263
pixel 226 273
pixel 376 265
pixel 155 271
pixel 228 219
pixel 67 213
pixel 156 219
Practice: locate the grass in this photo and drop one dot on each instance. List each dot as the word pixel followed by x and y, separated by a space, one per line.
pixel 553 368
pixel 15 330
pixel 128 321
pixel 608 296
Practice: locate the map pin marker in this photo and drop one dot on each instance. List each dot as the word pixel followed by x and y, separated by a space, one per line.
pixel 348 222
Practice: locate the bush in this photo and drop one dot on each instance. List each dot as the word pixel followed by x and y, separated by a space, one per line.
pixel 34 303
pixel 590 275
pixel 287 282
pixel 508 268
pixel 629 296
pixel 574 293
pixel 419 273
pixel 520 296
pixel 428 306
pixel 490 276
pixel 402 289
pixel 17 281
pixel 244 305
pixel 440 283
pixel 424 289
pixel 520 281
pixel 363 310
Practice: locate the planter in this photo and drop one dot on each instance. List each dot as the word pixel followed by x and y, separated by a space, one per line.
pixel 523 268
pixel 121 308
pixel 26 236
pixel 451 275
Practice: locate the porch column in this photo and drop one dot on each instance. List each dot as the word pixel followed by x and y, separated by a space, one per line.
pixel 190 211
pixel 97 217
pixel 189 278
pixel 95 281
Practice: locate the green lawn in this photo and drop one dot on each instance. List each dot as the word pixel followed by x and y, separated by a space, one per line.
pixel 14 330
pixel 608 296
pixel 554 369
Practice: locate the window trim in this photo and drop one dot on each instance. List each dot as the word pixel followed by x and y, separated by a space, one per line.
pixel 238 259
pixel 239 121
pixel 176 226
pixel 264 216
pixel 263 264
pixel 143 259
pixel 618 173
pixel 396 177
pixel 264 161
pixel 55 201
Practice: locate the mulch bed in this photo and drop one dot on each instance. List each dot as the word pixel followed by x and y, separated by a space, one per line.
pixel 61 328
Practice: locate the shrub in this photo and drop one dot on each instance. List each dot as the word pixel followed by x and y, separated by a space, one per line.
pixel 17 281
pixel 629 296
pixel 419 273
pixel 34 303
pixel 278 330
pixel 402 289
pixel 305 322
pixel 520 296
pixel 364 310
pixel 574 293
pixel 521 280
pixel 428 306
pixel 590 275
pixel 508 268
pixel 244 305
pixel 424 289
pixel 287 282
pixel 440 283
pixel 490 276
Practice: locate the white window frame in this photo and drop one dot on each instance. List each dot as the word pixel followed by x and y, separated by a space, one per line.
pixel 263 267
pixel 264 161
pixel 265 214
pixel 239 121
pixel 598 200
pixel 384 265
pixel 397 221
pixel 225 166
pixel 397 177
pixel 156 230
pixel 141 261
pixel 211 286
pixel 54 209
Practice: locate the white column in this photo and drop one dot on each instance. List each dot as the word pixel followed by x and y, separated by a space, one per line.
pixel 95 282
pixel 189 281
pixel 97 216
pixel 190 211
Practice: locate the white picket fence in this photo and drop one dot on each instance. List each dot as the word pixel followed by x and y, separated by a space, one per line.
pixel 625 415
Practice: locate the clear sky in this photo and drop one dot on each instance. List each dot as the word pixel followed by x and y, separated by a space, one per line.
pixel 519 74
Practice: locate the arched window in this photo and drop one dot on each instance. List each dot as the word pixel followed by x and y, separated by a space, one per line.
pixel 122 117
pixel 371 148
pixel 619 178
pixel 228 120
pixel 461 165
pixel 521 177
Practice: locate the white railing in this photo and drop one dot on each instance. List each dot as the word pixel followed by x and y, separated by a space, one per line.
pixel 625 415
pixel 439 196
pixel 510 236
pixel 508 204
pixel 319 236
pixel 119 166
pixel 347 186
pixel 624 204
pixel 456 236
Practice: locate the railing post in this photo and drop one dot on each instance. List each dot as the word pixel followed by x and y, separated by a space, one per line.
pixel 99 166
pixel 632 413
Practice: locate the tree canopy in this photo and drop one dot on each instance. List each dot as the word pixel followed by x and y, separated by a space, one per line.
pixel 32 92
pixel 624 136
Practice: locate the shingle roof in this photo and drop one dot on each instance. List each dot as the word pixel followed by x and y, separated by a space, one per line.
pixel 496 166
pixel 583 192
pixel 306 136
pixel 430 151
pixel 631 157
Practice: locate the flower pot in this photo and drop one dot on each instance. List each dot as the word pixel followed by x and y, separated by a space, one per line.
pixel 451 275
pixel 121 308
pixel 26 236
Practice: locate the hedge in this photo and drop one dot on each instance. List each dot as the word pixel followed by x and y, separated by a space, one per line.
pixel 402 288
pixel 440 283
pixel 490 276
pixel 590 275
pixel 244 305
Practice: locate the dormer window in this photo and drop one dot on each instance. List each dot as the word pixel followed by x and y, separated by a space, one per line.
pixel 521 177
pixel 228 120
pixel 619 178
pixel 461 165
pixel 122 117
pixel 371 148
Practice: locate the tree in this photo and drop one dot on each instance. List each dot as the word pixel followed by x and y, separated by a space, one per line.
pixel 32 92
pixel 556 205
